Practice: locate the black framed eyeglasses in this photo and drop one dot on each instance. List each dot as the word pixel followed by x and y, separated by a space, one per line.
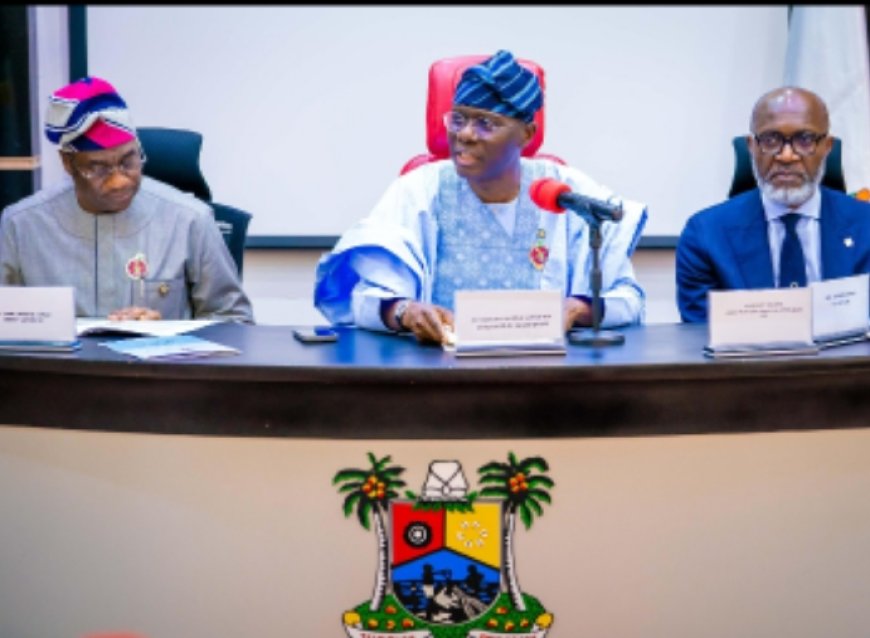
pixel 483 126
pixel 130 165
pixel 803 142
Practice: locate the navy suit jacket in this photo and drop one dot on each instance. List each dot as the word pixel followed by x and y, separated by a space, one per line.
pixel 725 247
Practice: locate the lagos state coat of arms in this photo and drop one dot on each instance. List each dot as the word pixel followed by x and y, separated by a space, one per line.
pixel 445 564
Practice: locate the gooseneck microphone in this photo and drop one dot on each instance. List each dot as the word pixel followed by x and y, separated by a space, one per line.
pixel 555 196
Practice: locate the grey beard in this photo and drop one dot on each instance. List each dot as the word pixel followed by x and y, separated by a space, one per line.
pixel 791 197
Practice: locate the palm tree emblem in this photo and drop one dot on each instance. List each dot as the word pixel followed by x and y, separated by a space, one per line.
pixel 369 492
pixel 445 566
pixel 523 491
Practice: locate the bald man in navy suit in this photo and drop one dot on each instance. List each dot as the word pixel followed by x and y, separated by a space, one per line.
pixel 738 244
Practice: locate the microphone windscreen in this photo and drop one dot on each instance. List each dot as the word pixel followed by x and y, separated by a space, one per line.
pixel 545 193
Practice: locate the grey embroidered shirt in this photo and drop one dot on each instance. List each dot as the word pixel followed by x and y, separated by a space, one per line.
pixel 48 240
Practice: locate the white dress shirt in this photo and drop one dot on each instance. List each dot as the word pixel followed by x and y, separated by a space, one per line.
pixel 807 228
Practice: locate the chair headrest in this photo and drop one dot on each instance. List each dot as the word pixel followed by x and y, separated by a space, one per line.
pixel 444 76
pixel 173 157
pixel 744 180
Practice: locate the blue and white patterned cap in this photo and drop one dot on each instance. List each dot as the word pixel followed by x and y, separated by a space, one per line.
pixel 501 85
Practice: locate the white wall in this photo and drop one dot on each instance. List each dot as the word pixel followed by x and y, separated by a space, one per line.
pixel 308 112
pixel 52 59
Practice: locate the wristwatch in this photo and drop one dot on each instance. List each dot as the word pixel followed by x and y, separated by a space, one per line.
pixel 399 312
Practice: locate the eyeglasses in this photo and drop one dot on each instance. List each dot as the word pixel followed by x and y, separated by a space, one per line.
pixel 129 165
pixel 483 126
pixel 803 142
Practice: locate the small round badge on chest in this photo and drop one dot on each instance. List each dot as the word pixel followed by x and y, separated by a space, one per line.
pixel 137 266
pixel 539 252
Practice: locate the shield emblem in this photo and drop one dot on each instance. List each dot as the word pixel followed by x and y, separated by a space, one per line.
pixel 446 565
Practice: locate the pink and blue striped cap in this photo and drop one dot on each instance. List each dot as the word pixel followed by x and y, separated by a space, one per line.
pixel 88 115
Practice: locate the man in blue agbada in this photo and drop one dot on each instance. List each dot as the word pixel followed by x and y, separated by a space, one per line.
pixel 469 223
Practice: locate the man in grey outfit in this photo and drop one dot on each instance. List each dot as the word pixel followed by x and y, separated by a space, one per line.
pixel 130 246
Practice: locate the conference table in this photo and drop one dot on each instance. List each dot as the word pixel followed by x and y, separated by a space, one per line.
pixel 693 497
pixel 377 385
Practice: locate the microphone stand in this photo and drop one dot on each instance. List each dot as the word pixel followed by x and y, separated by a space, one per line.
pixel 595 337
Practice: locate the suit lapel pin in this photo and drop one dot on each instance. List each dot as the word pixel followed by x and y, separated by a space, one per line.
pixel 848 242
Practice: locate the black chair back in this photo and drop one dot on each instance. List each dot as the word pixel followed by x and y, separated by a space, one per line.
pixel 233 224
pixel 744 180
pixel 173 158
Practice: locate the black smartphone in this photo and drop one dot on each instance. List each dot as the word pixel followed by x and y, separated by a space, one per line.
pixel 315 334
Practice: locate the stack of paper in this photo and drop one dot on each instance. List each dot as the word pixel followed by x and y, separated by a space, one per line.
pixel 40 346
pixel 162 328
pixel 173 348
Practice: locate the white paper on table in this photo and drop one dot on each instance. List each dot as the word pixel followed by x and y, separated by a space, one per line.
pixel 173 347
pixel 841 308
pixel 132 327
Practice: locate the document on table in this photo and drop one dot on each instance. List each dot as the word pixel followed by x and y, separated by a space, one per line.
pixel 40 346
pixel 172 348
pixel 136 328
pixel 840 310
pixel 758 323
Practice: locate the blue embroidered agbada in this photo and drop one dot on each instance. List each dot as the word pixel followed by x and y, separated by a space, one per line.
pixel 430 235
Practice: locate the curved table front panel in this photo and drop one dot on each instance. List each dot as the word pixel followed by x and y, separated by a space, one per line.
pixel 371 385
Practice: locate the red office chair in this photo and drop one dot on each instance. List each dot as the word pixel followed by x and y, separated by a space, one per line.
pixel 444 75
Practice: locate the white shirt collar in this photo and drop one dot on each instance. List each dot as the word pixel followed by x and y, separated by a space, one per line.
pixel 505 213
pixel 810 208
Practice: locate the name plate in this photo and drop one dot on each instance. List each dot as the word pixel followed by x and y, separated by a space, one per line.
pixel 769 321
pixel 34 316
pixel 509 322
pixel 841 308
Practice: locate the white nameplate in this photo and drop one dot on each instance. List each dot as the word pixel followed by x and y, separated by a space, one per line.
pixel 773 319
pixel 841 308
pixel 37 314
pixel 507 322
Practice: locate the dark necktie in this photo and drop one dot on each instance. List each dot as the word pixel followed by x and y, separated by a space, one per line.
pixel 792 267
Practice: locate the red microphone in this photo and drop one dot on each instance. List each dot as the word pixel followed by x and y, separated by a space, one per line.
pixel 556 196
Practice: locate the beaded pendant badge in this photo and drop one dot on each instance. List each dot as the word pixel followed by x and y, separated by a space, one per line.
pixel 539 252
